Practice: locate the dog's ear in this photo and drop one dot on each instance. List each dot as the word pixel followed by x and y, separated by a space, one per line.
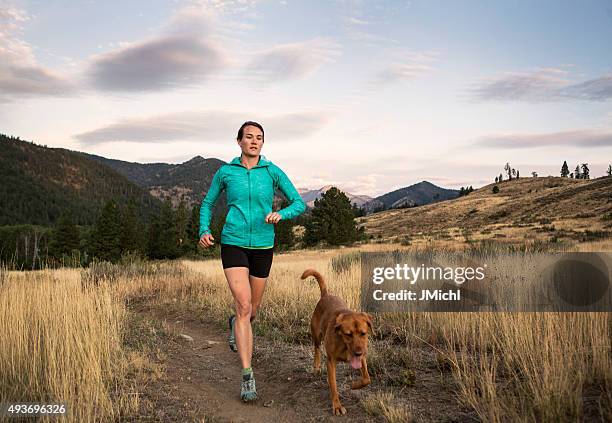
pixel 368 319
pixel 338 323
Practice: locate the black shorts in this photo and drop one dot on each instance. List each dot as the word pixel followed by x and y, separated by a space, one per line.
pixel 258 260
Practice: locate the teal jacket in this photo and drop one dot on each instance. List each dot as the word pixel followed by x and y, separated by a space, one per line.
pixel 249 200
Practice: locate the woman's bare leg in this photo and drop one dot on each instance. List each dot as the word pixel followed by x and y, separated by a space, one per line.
pixel 238 280
pixel 258 285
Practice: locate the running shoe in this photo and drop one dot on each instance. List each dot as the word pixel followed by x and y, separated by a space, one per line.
pixel 248 391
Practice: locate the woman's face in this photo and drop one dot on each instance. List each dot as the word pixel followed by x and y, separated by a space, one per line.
pixel 252 141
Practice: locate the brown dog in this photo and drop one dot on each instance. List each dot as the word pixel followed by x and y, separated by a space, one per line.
pixel 345 333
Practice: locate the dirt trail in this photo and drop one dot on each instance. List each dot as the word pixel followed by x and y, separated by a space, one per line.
pixel 202 380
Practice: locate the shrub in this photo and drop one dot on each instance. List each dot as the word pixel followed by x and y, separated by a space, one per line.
pixel 129 266
pixel 405 240
pixel 593 235
pixel 499 214
pixel 343 262
pixel 383 404
pixel 3 275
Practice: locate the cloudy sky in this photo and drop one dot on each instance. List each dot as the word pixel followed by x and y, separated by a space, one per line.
pixel 368 95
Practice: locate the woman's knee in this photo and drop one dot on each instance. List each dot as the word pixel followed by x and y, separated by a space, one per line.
pixel 243 309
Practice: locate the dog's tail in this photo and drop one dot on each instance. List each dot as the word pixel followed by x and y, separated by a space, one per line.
pixel 319 278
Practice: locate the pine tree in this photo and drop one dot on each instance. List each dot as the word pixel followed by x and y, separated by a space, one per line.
pixel 169 236
pixel 163 238
pixel 585 171
pixel 609 171
pixel 132 230
pixel 332 220
pixel 508 170
pixel 564 170
pixel 106 236
pixel 577 174
pixel 65 236
pixel 181 222
pixel 154 248
pixel 283 231
pixel 193 229
pixel 358 211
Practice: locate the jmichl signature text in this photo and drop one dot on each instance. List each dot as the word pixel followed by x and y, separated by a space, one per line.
pixel 425 295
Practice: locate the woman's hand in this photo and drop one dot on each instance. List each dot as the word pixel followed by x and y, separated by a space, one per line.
pixel 273 218
pixel 206 241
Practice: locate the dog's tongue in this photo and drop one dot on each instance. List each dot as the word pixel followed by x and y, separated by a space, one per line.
pixel 355 362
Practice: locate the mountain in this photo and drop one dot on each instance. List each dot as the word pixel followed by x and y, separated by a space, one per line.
pixel 524 208
pixel 59 179
pixel 40 183
pixel 189 180
pixel 414 195
pixel 310 195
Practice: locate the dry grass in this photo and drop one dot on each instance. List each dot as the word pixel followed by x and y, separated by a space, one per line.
pixel 62 344
pixel 66 343
pixel 529 366
pixel 513 213
pixel 385 405
pixel 519 366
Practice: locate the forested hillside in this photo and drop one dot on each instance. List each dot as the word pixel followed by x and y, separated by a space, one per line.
pixel 188 181
pixel 39 184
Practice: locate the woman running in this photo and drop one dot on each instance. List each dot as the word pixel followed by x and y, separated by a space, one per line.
pixel 247 238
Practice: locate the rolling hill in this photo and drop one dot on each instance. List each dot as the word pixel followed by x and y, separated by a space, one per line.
pixel 40 183
pixel 189 180
pixel 414 195
pixel 527 208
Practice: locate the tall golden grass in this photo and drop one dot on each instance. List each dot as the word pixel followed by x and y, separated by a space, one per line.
pixel 508 366
pixel 65 342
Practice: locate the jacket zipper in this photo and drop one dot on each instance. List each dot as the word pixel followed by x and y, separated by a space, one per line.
pixel 250 217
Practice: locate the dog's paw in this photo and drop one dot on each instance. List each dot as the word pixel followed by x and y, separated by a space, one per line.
pixel 339 410
pixel 316 370
pixel 358 384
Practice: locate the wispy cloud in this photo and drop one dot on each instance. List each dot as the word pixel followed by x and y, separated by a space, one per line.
pixel 184 54
pixel 360 22
pixel 597 89
pixel 405 66
pixel 542 85
pixel 291 60
pixel 356 21
pixel 206 127
pixel 587 138
pixel 224 6
pixel 20 74
pixel 165 62
pixel 198 44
